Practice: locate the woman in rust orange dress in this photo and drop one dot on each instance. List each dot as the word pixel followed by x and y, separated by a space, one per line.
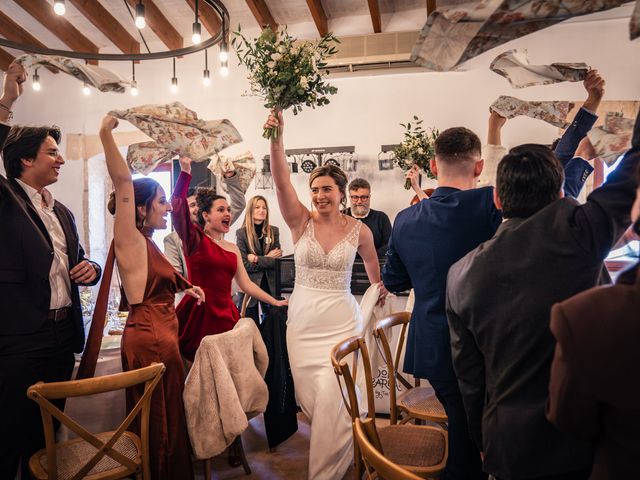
pixel 151 332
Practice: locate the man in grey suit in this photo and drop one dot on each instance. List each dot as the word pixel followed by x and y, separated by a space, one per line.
pixel 172 243
pixel 499 298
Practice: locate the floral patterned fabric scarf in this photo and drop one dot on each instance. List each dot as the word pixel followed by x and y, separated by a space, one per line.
pixel 515 67
pixel 244 165
pixel 98 77
pixel 175 130
pixel 554 112
pixel 456 33
pixel 613 138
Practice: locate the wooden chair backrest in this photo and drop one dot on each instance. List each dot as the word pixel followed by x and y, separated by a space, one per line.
pixel 357 347
pixel 243 308
pixel 43 392
pixel 369 444
pixel 393 362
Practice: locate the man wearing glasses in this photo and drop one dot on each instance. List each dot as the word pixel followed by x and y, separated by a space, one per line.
pixel 41 265
pixel 377 221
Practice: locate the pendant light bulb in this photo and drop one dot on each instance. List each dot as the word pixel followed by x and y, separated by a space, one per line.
pixel 224 69
pixel 140 20
pixel 174 85
pixel 224 55
pixel 196 38
pixel 134 89
pixel 36 81
pixel 206 78
pixel 59 8
pixel 86 90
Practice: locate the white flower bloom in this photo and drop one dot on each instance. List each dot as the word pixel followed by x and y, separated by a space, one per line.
pixel 304 83
pixel 271 64
pixel 276 56
pixel 282 49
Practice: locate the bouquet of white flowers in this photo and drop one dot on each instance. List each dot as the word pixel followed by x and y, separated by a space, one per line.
pixel 284 72
pixel 417 148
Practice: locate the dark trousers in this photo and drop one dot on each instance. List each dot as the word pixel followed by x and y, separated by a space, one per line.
pixel 254 312
pixel 577 475
pixel 47 356
pixel 464 458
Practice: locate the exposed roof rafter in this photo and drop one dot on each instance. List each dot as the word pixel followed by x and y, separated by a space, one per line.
pixel 108 25
pixel 160 25
pixel 374 10
pixel 12 31
pixel 262 14
pixel 41 10
pixel 319 17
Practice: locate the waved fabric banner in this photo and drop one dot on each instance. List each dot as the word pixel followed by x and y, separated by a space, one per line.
pixel 553 112
pixel 456 34
pixel 244 165
pixel 515 67
pixel 98 77
pixel 613 138
pixel 634 25
pixel 175 130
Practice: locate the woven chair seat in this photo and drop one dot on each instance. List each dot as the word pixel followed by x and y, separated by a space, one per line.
pixel 421 402
pixel 413 446
pixel 73 455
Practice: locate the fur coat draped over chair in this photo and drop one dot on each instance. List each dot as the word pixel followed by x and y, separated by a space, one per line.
pixel 225 387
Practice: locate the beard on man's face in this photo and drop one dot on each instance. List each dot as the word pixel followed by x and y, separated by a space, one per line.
pixel 359 209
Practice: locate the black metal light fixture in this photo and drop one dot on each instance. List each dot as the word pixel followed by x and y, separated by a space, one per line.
pixel 206 75
pixel 196 36
pixel 174 79
pixel 59 7
pixel 140 21
pixel 134 84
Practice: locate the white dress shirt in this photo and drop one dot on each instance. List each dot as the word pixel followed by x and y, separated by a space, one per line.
pixel 59 272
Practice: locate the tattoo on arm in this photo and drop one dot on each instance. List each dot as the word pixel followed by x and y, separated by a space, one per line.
pixel 125 200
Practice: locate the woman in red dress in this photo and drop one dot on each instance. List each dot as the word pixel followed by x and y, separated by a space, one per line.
pixel 151 331
pixel 212 263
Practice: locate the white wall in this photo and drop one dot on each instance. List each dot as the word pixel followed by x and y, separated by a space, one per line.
pixel 366 112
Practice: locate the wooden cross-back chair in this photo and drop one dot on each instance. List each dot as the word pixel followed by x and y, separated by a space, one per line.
pixel 422 450
pixel 374 461
pixel 95 456
pixel 417 402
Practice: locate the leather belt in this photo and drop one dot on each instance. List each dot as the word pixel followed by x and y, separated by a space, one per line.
pixel 59 314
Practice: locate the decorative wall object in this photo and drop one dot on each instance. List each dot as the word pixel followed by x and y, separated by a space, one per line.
pixel 310 158
pixel 386 157
pixel 264 180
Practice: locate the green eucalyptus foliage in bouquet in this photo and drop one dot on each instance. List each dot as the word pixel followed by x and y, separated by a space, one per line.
pixel 284 72
pixel 417 148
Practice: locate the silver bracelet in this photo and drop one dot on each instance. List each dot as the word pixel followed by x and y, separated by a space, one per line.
pixel 4 107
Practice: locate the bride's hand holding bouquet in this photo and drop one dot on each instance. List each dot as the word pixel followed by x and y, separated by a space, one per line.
pixel 284 72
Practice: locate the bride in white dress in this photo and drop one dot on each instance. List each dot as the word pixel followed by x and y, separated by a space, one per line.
pixel 322 310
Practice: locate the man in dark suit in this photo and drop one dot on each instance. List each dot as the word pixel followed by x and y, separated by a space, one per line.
pixel 429 237
pixel 499 298
pixel 41 266
pixel 594 387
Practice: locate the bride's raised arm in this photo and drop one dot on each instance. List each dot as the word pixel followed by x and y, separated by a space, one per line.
pixel 295 214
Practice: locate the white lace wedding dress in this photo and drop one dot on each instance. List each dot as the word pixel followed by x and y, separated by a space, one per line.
pixel 322 312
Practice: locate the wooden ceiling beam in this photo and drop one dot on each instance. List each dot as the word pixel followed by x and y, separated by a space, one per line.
pixel 5 60
pixel 208 16
pixel 262 14
pixel 14 32
pixel 319 17
pixel 43 12
pixel 162 27
pixel 431 6
pixel 108 25
pixel 376 19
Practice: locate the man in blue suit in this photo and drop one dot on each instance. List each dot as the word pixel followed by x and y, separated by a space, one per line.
pixel 432 235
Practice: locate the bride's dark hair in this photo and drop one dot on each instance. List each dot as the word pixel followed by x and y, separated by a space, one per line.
pixel 144 191
pixel 338 176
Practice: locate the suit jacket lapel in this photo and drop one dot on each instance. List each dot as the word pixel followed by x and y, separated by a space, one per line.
pixel 31 210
